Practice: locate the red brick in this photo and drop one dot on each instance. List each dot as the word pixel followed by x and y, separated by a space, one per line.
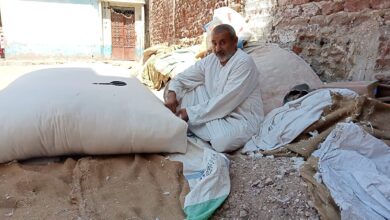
pixel 292 12
pixel 299 2
pixel 299 21
pixel 386 16
pixel 310 9
pixel 297 49
pixel 332 7
pixel 356 5
pixel 311 35
pixel 383 38
pixel 382 64
pixel 384 49
pixel 340 18
pixel 301 38
pixel 319 19
pixel 358 19
pixel 379 4
pixel 283 2
pixel 285 22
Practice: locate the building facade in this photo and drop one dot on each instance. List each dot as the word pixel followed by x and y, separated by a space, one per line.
pixel 111 29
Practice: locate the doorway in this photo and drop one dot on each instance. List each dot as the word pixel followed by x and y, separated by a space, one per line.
pixel 123 33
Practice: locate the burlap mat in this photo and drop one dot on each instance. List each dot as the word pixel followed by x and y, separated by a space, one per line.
pixel 115 187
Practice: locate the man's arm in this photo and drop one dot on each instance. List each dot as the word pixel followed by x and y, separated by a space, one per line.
pixel 188 80
pixel 240 84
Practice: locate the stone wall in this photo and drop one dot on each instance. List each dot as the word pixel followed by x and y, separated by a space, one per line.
pixel 340 39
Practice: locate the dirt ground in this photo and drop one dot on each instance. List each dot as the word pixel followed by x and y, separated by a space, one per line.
pixel 266 188
pixel 261 187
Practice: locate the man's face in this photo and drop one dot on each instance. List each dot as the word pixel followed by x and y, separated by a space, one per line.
pixel 224 46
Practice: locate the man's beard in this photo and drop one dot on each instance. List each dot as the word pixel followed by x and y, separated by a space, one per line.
pixel 224 57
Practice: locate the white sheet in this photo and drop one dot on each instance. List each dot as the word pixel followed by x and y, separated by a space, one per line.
pixel 355 167
pixel 282 125
pixel 176 62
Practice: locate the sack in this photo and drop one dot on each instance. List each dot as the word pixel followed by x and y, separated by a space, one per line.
pixel 226 15
pixel 61 111
pixel 229 16
pixel 280 70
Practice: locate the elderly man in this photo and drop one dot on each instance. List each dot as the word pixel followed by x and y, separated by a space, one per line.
pixel 219 96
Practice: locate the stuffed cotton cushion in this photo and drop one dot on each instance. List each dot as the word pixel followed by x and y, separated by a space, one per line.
pixel 63 111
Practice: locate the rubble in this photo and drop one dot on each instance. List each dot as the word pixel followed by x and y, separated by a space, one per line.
pixel 273 190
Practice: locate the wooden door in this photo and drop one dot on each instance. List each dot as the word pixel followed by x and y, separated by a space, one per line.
pixel 123 34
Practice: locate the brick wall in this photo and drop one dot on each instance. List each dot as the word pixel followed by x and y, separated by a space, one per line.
pixel 191 16
pixel 340 39
pixel 174 21
pixel 161 21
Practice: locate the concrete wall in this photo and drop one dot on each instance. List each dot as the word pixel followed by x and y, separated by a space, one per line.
pixel 340 39
pixel 51 28
pixel 106 48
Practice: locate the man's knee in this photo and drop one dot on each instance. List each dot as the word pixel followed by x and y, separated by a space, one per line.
pixel 228 143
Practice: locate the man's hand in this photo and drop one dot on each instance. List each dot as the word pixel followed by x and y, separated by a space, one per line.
pixel 182 113
pixel 171 101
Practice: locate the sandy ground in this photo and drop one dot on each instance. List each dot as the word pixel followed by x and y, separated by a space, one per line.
pixel 262 188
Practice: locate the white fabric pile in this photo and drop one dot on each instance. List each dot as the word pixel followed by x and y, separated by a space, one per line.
pixel 176 62
pixel 282 125
pixel 355 167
